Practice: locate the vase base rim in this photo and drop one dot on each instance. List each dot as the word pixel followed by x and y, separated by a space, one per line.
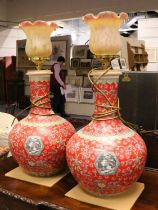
pixel 43 174
pixel 101 195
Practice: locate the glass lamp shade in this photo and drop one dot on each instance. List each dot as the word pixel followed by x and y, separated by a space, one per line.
pixel 104 32
pixel 38 44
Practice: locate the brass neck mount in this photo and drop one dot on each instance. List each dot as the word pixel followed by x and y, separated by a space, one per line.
pixel 38 61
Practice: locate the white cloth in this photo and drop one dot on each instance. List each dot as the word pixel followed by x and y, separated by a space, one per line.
pixel 62 91
pixel 57 70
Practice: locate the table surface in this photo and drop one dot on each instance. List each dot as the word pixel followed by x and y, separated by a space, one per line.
pixel 54 197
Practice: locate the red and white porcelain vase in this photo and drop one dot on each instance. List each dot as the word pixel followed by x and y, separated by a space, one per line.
pixel 106 157
pixel 38 142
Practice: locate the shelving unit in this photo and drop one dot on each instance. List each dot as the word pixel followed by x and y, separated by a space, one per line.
pixel 137 57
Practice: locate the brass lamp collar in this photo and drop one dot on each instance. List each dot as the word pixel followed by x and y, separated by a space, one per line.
pixel 38 61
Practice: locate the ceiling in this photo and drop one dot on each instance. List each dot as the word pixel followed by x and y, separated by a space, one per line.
pixel 19 10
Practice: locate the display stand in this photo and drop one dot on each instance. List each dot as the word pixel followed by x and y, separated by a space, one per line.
pixel 121 201
pixel 18 173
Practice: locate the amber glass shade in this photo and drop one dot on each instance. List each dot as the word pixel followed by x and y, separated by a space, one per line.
pixel 104 28
pixel 38 44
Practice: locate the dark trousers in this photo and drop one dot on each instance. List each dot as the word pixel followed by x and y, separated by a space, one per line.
pixel 58 101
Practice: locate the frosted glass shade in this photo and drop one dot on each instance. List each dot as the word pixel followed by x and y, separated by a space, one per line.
pixel 38 44
pixel 104 37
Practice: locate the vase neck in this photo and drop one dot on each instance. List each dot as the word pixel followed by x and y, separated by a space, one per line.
pixel 40 97
pixel 106 101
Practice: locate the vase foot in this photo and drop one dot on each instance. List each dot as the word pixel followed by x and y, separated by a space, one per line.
pixel 43 174
pixel 104 195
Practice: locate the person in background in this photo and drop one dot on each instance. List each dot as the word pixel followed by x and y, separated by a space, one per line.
pixel 57 87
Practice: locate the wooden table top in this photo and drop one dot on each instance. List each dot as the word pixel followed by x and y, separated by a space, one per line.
pixel 54 197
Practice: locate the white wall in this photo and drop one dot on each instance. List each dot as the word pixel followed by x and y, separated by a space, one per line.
pixel 148 31
pixel 8 39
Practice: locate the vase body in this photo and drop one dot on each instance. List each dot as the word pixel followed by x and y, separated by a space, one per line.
pixel 106 157
pixel 38 142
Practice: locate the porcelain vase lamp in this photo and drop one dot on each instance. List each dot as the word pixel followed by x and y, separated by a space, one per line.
pixel 38 142
pixel 105 157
